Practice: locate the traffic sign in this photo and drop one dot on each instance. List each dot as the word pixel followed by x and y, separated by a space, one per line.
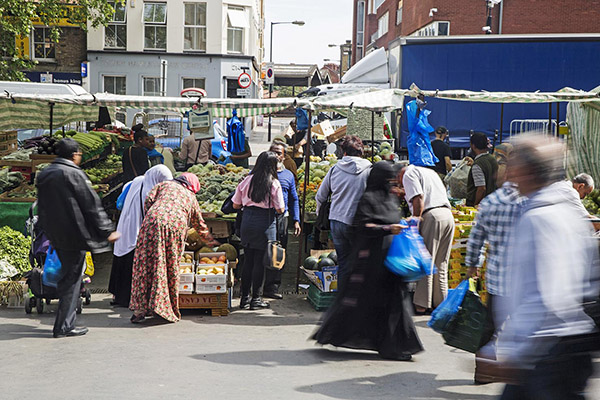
pixel 269 75
pixel 244 80
pixel 243 92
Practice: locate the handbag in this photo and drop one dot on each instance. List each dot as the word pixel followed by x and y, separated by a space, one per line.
pixel 275 254
pixel 322 222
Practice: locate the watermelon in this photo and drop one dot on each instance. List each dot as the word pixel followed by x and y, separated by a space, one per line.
pixel 325 262
pixel 333 256
pixel 311 263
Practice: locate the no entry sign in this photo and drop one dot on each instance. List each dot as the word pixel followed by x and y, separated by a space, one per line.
pixel 244 80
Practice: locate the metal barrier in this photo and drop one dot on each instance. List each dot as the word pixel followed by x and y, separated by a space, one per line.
pixel 518 126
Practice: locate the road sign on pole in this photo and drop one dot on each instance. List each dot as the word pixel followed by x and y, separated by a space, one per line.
pixel 269 75
pixel 244 80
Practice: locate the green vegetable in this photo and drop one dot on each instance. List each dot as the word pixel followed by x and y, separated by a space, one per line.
pixel 14 248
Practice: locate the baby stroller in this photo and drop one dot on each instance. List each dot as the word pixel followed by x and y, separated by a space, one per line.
pixel 38 292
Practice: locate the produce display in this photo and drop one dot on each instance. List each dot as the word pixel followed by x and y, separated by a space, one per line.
pixel 318 170
pixel 14 249
pixel 25 191
pixel 317 264
pixel 105 169
pixel 9 180
pixel 45 144
pixel 211 271
pixel 592 202
pixel 212 260
pixel 186 258
pixel 216 182
pixel 91 143
pixel 20 155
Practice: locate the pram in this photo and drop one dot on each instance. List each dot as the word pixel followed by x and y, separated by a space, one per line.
pixel 38 292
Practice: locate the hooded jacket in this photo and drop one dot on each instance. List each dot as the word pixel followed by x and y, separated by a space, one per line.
pixel 346 182
pixel 70 212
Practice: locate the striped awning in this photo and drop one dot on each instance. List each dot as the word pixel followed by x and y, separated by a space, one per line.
pixel 584 138
pixel 371 99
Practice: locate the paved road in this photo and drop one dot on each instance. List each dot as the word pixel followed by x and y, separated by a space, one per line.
pixel 249 354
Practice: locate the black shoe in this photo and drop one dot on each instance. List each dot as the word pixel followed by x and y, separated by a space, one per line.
pixel 73 332
pixel 257 303
pixel 245 302
pixel 273 295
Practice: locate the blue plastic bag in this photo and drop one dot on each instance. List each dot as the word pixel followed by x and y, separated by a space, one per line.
pixel 408 257
pixel 420 152
pixel 52 268
pixel 448 308
pixel 236 137
pixel 122 196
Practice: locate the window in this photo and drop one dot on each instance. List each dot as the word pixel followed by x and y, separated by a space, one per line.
pixel 399 12
pixel 378 4
pixel 438 28
pixel 236 23
pixel 382 24
pixel 155 26
pixel 194 83
pixel 443 28
pixel 151 86
pixel 43 46
pixel 115 33
pixel 194 31
pixel 115 84
pixel 360 29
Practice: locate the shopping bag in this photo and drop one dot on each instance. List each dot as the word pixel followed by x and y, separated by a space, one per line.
pixel 89 264
pixel 468 326
pixel 448 308
pixel 408 257
pixel 457 180
pixel 52 268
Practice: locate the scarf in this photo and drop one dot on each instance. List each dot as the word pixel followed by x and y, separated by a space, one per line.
pixel 189 181
pixel 378 205
pixel 154 153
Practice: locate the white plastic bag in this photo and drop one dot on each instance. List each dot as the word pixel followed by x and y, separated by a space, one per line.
pixel 457 180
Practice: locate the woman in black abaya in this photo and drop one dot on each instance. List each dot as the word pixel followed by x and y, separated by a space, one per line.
pixel 373 309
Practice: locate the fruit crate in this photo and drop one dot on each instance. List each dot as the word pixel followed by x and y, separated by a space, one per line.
pixel 9 146
pixel 216 303
pixel 320 300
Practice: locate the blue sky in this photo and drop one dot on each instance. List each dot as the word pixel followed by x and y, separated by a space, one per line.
pixel 327 21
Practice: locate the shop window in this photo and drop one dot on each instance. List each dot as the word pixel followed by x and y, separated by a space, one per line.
pixel 115 33
pixel 43 46
pixel 194 31
pixel 155 26
pixel 115 84
pixel 151 86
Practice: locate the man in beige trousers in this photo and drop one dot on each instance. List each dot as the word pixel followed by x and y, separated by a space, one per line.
pixel 426 197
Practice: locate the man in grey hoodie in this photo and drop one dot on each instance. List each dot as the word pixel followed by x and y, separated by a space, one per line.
pixel 346 183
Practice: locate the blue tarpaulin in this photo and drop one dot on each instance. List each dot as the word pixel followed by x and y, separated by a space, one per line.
pixel 510 66
pixel 236 137
pixel 418 143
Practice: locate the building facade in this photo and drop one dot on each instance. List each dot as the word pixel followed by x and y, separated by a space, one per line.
pixel 159 48
pixel 377 23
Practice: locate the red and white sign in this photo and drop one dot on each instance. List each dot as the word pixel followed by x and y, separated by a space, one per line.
pixel 244 80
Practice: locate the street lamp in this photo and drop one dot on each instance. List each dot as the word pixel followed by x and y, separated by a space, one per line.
pixel 299 23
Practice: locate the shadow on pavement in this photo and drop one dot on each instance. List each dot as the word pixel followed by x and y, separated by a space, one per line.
pixel 405 385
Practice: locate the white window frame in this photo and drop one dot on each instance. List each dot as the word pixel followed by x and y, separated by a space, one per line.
pixel 383 24
pixel 399 12
pixel 157 84
pixel 432 29
pixel 50 42
pixel 231 28
pixel 360 30
pixel 114 77
pixel 116 24
pixel 202 28
pixel 183 79
pixel 155 25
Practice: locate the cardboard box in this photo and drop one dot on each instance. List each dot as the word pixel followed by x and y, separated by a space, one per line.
pixel 186 288
pixel 219 229
pixel 323 129
pixel 186 278
pixel 205 288
pixel 220 279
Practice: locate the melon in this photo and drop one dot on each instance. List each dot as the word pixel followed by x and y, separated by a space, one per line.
pixel 325 262
pixel 311 263
pixel 229 250
pixel 333 256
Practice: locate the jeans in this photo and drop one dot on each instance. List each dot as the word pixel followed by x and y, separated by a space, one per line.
pixel 342 241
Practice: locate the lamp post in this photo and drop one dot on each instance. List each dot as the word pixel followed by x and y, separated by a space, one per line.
pixel 299 23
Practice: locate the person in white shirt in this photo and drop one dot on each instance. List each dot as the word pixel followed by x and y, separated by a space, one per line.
pixel 427 199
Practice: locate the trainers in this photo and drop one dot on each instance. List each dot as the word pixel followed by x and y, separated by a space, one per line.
pixel 245 302
pixel 257 304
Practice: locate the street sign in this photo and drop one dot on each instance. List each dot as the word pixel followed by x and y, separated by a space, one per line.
pixel 269 75
pixel 244 80
pixel 84 69
pixel 243 92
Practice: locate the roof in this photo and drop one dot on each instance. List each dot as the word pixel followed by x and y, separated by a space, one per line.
pixel 297 75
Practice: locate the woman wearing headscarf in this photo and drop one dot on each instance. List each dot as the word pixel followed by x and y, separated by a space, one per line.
pixel 130 222
pixel 261 197
pixel 372 311
pixel 171 208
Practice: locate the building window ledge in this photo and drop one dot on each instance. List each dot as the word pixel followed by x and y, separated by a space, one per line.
pixel 46 61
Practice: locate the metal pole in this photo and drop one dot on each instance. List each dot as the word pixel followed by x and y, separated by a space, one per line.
pixel 51 117
pixel 341 61
pixel 372 136
pixel 501 121
pixel 549 118
pixel 270 84
pixel 303 211
pixel 557 117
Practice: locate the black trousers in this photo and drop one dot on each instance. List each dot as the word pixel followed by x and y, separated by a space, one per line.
pixel 562 374
pixel 273 277
pixel 253 272
pixel 68 289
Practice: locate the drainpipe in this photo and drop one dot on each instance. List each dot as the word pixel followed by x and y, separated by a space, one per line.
pixel 500 18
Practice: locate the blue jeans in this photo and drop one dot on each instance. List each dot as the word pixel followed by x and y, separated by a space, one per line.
pixel 342 241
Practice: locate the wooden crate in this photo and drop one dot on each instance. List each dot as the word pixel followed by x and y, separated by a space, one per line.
pixel 8 135
pixel 8 146
pixel 216 303
pixel 218 228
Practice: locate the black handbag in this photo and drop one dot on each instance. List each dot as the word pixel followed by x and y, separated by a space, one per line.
pixel 275 254
pixel 227 207
pixel 322 222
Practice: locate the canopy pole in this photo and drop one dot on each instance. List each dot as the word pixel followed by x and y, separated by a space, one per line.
pixel 303 211
pixel 557 117
pixel 549 118
pixel 51 117
pixel 501 121
pixel 372 136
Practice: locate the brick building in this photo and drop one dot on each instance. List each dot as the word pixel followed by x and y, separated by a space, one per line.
pixel 378 22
